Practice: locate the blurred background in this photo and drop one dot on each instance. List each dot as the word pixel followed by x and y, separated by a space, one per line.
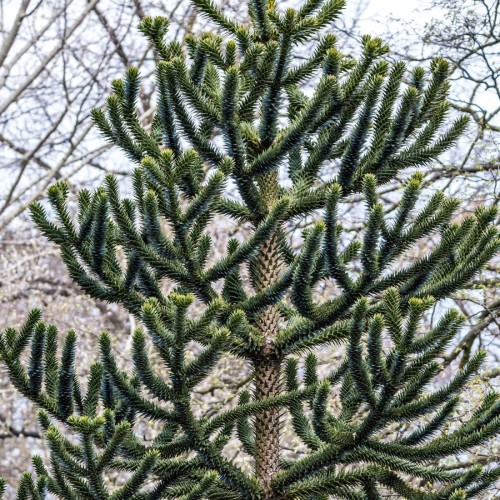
pixel 57 60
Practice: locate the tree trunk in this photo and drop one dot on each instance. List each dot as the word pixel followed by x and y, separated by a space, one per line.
pixel 268 267
pixel 267 424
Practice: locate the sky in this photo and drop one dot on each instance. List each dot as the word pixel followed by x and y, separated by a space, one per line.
pixel 396 8
pixel 378 13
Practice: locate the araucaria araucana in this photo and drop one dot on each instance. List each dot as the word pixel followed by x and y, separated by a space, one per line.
pixel 246 129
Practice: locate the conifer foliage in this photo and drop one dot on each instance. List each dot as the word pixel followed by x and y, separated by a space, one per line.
pixel 238 133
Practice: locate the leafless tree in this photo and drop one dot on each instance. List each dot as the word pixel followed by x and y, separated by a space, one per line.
pixel 57 58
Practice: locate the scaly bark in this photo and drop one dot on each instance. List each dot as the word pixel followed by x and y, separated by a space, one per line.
pixel 268 267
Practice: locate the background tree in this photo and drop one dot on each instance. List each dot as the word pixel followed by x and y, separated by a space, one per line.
pixel 260 300
pixel 43 139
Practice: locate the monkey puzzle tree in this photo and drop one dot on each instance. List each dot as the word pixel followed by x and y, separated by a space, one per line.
pixel 239 109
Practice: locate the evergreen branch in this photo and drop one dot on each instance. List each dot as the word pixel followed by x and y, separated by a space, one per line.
pixel 247 249
pixel 209 10
pixel 125 388
pixel 270 158
pixel 301 292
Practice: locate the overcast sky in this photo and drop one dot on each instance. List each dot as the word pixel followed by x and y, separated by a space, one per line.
pixel 397 8
pixel 379 12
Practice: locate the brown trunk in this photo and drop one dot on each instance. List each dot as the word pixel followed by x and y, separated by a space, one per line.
pixel 267 425
pixel 267 366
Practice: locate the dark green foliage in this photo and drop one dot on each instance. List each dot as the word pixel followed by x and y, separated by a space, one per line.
pixel 235 109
